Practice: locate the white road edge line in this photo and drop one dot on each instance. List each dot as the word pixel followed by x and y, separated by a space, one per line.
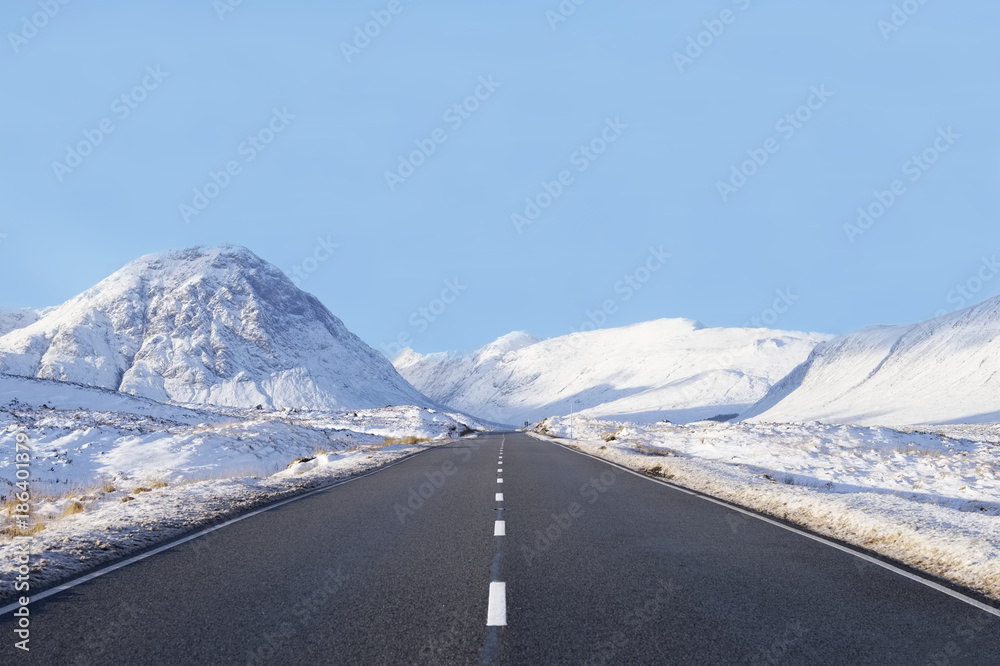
pixel 499 497
pixel 815 537
pixel 499 528
pixel 496 614
pixel 10 608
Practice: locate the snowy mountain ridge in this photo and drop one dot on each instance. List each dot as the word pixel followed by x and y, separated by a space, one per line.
pixel 216 326
pixel 670 368
pixel 944 370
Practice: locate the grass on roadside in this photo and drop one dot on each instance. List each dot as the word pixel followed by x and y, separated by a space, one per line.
pixel 651 451
pixel 51 506
pixel 408 440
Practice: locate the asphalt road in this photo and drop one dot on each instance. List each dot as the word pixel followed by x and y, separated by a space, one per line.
pixel 593 565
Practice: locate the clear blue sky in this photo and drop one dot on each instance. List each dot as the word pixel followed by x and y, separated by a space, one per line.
pixel 687 123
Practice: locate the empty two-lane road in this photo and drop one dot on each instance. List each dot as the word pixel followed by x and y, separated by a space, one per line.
pixel 504 549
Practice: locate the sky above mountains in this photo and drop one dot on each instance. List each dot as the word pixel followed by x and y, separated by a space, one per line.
pixel 441 174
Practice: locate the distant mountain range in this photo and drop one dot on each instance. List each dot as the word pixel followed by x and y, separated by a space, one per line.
pixel 220 326
pixel 673 369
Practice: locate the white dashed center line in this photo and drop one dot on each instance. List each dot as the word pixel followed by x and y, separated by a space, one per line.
pixel 496 613
pixel 496 616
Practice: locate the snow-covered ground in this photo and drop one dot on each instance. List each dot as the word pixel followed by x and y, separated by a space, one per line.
pixel 80 447
pixel 105 483
pixel 927 496
pixel 670 368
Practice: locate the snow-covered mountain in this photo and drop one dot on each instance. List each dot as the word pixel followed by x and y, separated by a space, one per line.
pixel 672 369
pixel 945 370
pixel 215 326
pixel 13 319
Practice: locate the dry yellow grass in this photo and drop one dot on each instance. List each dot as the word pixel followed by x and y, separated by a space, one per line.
pixel 81 497
pixel 36 527
pixel 73 508
pixel 654 451
pixel 927 451
pixel 409 440
pixel 9 503
pixel 612 436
